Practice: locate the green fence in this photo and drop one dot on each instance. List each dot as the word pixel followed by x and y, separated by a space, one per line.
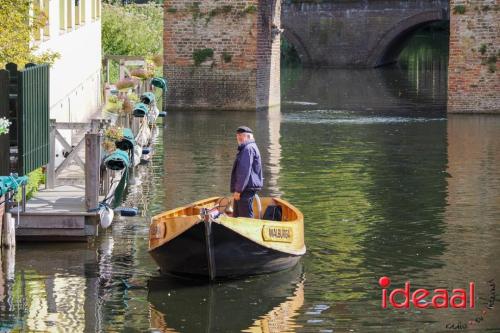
pixel 4 112
pixel 28 110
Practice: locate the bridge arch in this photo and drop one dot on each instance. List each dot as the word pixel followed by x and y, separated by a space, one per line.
pixel 295 40
pixel 390 45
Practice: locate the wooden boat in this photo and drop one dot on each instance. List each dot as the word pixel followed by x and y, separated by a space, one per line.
pixel 204 239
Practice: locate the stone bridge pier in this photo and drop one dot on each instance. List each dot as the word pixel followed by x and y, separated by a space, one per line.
pixel 222 54
pixel 360 34
pixel 473 73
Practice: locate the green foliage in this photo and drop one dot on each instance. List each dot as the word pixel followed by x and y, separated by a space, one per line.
pixel 35 179
pixel 194 8
pixel 483 48
pixel 218 11
pixel 227 57
pixel 132 30
pixel 113 105
pixel 200 56
pixel 250 9
pixel 196 12
pixel 114 133
pixel 459 9
pixel 289 55
pixel 17 27
pixel 172 10
pixel 492 63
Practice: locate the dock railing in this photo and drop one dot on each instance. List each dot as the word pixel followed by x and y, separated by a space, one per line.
pixel 89 140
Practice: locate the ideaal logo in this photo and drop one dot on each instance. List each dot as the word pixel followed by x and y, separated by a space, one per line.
pixel 459 298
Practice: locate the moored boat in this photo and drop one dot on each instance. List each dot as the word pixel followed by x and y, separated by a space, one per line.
pixel 204 239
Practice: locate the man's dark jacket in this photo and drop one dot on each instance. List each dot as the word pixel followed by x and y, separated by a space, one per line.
pixel 247 169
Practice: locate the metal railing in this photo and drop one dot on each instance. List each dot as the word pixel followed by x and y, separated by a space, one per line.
pixel 24 100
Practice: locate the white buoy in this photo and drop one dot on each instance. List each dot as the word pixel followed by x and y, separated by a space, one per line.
pixel 137 155
pixel 106 217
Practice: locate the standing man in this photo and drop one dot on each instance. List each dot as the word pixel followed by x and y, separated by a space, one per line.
pixel 246 177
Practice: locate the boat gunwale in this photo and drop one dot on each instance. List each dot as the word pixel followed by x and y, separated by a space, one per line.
pixel 292 251
pixel 298 213
pixel 171 211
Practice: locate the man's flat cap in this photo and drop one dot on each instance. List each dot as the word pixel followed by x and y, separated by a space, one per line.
pixel 244 129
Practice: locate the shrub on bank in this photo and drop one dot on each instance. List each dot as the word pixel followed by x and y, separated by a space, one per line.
pixel 35 179
pixel 133 29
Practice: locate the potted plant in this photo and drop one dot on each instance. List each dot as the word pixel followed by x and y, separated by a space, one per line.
pixel 125 85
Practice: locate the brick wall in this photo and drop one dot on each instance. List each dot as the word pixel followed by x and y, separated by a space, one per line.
pixel 243 72
pixel 473 73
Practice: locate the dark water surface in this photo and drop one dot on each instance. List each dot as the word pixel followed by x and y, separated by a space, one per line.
pixel 389 186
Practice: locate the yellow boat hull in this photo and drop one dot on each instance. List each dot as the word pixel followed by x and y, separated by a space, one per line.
pixel 182 241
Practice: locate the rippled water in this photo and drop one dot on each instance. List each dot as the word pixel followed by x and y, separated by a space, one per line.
pixel 388 183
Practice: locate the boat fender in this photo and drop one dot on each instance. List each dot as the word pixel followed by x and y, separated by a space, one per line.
pixel 106 217
pixel 129 211
pixel 162 114
pixel 137 155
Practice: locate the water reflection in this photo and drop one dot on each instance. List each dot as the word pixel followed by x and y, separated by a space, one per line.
pixel 201 147
pixel 383 92
pixel 257 304
pixel 472 230
pixel 424 60
pixel 47 296
pixel 418 83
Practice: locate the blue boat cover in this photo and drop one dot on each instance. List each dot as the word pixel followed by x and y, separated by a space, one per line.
pixel 128 140
pixel 148 98
pixel 140 110
pixel 117 160
pixel 160 82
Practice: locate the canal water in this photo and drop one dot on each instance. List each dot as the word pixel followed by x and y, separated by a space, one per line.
pixel 389 186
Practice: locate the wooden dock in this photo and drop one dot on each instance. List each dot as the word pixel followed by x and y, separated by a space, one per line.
pixel 60 212
pixel 56 214
pixel 66 210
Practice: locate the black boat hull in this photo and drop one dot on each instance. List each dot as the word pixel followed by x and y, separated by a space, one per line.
pixel 218 253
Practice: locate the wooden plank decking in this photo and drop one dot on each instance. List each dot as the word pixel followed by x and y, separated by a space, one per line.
pixel 56 214
pixel 59 212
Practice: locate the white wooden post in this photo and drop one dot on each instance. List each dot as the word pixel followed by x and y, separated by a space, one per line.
pixel 9 231
pixel 51 167
pixel 92 169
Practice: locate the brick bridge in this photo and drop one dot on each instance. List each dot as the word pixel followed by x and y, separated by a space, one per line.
pixel 359 33
pixel 225 54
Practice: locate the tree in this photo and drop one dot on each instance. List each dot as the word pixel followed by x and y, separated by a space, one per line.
pixel 18 23
pixel 132 29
